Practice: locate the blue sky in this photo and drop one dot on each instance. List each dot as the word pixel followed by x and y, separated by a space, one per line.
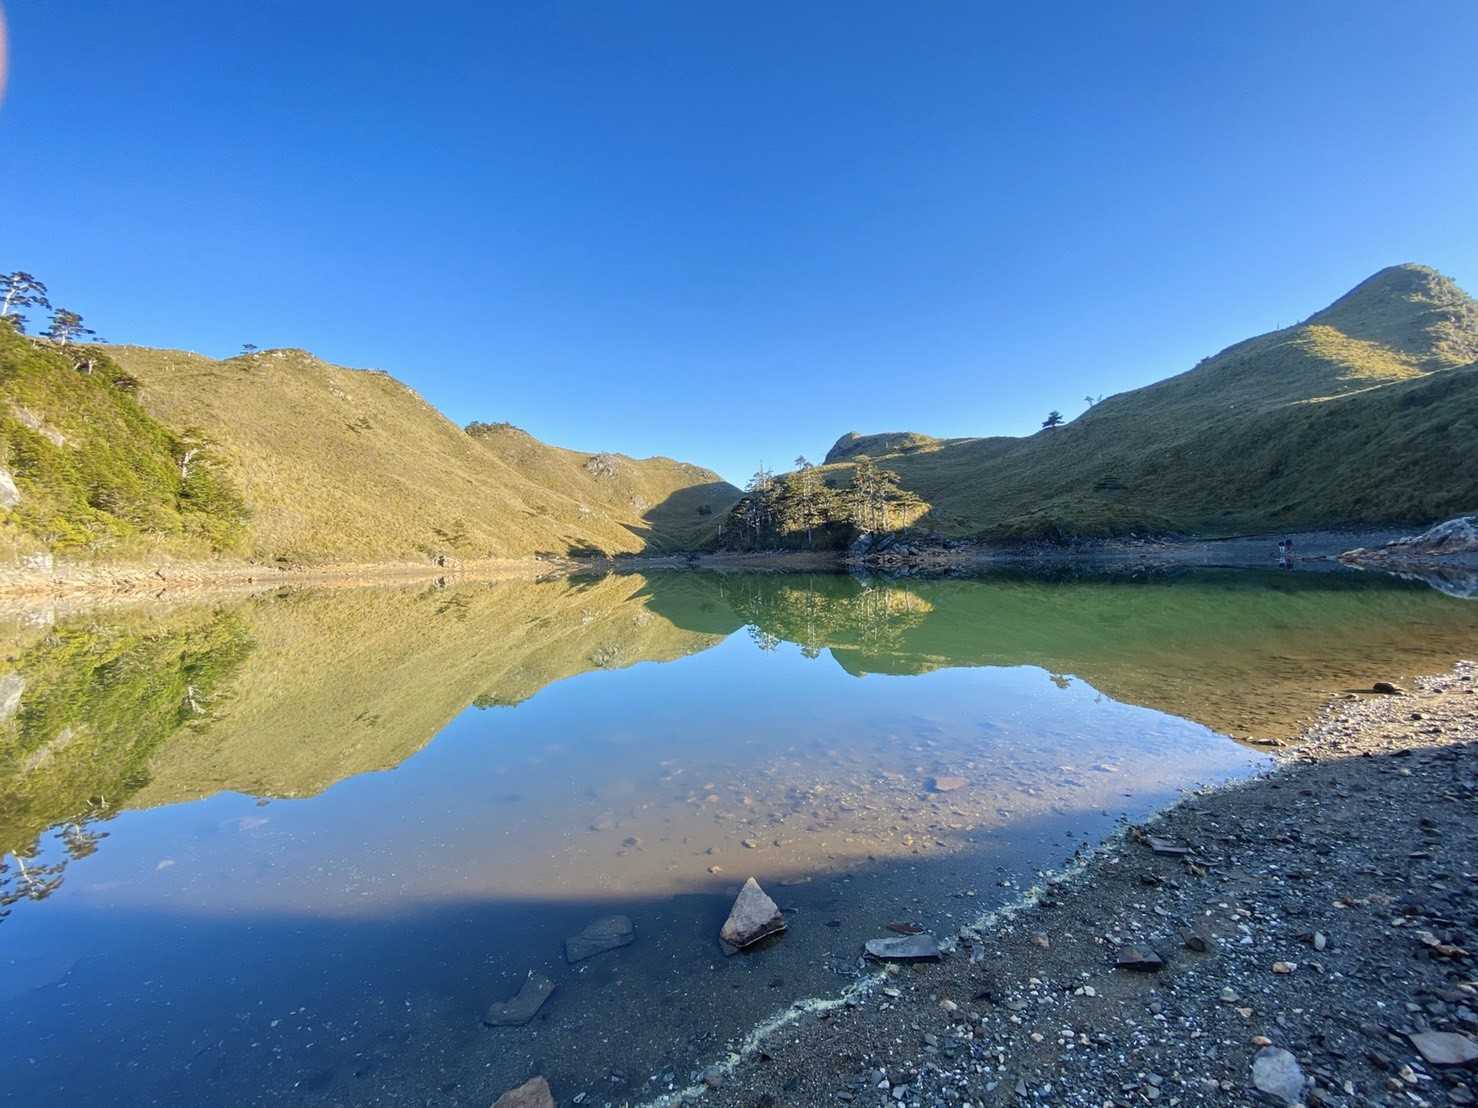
pixel 729 233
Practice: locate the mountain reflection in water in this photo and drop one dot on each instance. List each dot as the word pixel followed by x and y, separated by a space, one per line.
pixel 259 776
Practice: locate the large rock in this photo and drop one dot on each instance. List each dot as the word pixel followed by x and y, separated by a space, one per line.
pixel 10 496
pixel 606 933
pixel 1455 538
pixel 904 948
pixel 1445 1048
pixel 1276 1073
pixel 12 685
pixel 531 1094
pixel 753 916
pixel 524 1005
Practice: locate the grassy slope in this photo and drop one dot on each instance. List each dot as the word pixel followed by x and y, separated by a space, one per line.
pixel 1364 413
pixel 95 472
pixel 351 465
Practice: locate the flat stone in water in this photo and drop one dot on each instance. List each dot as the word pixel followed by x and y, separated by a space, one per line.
pixel 1445 1048
pixel 533 1093
pixel 753 917
pixel 1276 1073
pixel 904 948
pixel 524 1005
pixel 946 784
pixel 606 933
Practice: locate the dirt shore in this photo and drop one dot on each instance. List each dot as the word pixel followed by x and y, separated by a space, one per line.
pixel 85 581
pixel 1305 930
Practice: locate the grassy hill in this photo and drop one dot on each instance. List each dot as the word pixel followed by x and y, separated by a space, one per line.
pixel 84 468
pixel 1366 412
pixel 304 462
pixel 343 464
pixel 852 444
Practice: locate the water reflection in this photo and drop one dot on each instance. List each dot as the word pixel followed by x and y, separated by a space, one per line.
pixel 238 756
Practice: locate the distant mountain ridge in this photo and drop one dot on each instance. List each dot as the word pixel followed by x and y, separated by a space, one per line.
pixel 1366 412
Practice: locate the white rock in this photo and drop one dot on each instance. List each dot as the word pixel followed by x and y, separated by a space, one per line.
pixel 753 917
pixel 1276 1072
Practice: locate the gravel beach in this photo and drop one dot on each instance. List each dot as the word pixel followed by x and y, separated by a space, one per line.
pixel 1303 937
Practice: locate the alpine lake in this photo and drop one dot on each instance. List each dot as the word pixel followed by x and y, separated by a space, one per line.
pixel 291 848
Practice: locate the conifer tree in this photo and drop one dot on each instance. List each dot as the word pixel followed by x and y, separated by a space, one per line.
pixel 66 327
pixel 21 290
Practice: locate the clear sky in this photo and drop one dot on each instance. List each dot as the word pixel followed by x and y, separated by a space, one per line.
pixel 730 232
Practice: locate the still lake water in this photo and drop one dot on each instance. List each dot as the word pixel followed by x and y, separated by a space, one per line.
pixel 288 849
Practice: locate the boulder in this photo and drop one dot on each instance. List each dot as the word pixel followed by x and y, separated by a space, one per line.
pixel 524 1005
pixel 753 917
pixel 10 496
pixel 904 948
pixel 1276 1073
pixel 1455 536
pixel 531 1094
pixel 606 933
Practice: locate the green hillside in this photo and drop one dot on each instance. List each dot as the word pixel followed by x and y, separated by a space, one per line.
pixel 1364 413
pixel 86 470
pixel 348 465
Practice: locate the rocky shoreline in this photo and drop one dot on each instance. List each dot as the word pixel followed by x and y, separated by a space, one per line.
pixel 1304 937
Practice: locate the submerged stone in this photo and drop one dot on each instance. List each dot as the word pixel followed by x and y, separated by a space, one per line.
pixel 753 917
pixel 606 933
pixel 533 1093
pixel 524 1005
pixel 946 784
pixel 904 948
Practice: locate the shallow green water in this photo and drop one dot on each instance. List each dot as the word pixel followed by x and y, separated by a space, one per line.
pixel 290 848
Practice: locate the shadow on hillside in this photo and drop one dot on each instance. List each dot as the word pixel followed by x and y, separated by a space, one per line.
pixel 688 520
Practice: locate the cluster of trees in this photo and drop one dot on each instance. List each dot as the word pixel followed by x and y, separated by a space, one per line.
pixel 22 290
pixel 779 510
